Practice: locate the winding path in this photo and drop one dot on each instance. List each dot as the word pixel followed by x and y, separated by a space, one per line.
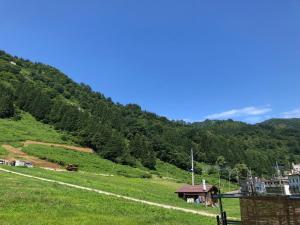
pixel 70 147
pixel 198 212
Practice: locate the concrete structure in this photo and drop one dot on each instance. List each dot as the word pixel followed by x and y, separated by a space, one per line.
pixel 278 186
pixel 294 183
pixel 259 185
pixel 253 186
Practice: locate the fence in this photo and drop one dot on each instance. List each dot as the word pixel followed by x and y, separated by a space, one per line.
pixel 270 210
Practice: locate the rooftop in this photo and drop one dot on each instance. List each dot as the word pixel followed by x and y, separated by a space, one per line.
pixel 195 189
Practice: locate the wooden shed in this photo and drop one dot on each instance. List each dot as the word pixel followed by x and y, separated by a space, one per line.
pixel 201 193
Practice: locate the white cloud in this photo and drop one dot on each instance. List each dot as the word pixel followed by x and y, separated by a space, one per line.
pixel 291 114
pixel 250 111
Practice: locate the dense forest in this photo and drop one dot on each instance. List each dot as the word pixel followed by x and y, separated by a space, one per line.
pixel 129 135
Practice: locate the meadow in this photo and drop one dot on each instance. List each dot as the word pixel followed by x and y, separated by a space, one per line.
pixel 3 152
pixel 102 174
pixel 89 162
pixel 27 128
pixel 28 201
pixel 23 196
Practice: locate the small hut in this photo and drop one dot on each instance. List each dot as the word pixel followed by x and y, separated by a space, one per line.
pixel 199 193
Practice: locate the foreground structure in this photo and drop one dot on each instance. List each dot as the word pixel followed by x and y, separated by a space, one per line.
pixel 202 194
pixel 270 210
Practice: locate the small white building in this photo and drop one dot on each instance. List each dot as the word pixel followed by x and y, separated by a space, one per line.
pixel 295 168
pixel 294 182
pixel 22 163
pixel 4 162
pixel 278 185
pixel 19 163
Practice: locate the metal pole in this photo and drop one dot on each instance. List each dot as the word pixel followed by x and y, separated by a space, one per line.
pixel 221 205
pixel 192 157
pixel 219 176
pixel 218 220
pixel 229 180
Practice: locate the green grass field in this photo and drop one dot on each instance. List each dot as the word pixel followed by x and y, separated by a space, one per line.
pixel 87 161
pixel 3 152
pixel 23 196
pixel 26 201
pixel 93 163
pixel 155 189
pixel 27 128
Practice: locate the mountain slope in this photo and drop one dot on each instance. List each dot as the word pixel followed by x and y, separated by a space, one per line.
pixel 44 203
pixel 129 135
pixel 283 123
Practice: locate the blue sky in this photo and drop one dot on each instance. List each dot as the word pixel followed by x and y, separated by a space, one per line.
pixel 188 60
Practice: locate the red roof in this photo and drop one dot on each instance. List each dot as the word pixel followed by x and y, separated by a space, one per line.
pixel 194 189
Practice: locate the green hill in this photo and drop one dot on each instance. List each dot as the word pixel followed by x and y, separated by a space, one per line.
pixel 94 172
pixel 293 124
pixel 126 134
pixel 27 127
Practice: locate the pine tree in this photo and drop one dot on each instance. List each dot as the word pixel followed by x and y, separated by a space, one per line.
pixel 6 107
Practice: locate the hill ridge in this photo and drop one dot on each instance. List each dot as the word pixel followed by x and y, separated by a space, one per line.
pixel 128 135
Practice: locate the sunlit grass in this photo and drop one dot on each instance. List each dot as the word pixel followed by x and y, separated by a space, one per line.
pixel 28 201
pixel 27 128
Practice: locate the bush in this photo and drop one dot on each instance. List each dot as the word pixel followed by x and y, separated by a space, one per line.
pixel 146 176
pixel 213 170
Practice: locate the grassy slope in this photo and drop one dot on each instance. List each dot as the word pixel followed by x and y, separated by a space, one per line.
pixel 87 161
pixel 27 201
pixel 2 151
pixel 29 129
pixel 156 189
pixel 93 163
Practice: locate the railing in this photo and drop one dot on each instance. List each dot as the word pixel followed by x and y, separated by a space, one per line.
pixel 222 218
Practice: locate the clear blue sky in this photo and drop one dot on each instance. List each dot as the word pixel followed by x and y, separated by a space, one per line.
pixel 182 59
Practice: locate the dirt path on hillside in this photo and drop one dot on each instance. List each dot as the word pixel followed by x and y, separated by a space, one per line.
pixel 75 148
pixel 15 154
pixel 199 212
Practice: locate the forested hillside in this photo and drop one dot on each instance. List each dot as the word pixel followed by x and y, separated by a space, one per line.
pixel 129 135
pixel 283 123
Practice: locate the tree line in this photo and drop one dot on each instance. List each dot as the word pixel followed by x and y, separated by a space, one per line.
pixel 129 135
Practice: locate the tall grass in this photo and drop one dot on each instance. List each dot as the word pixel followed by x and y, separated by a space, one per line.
pixel 86 161
pixel 27 128
pixel 3 151
pixel 28 201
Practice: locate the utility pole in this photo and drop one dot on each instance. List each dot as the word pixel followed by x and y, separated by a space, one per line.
pixel 280 178
pixel 192 158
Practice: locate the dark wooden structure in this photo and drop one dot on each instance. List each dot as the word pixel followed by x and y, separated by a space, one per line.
pixel 270 210
pixel 204 192
pixel 72 167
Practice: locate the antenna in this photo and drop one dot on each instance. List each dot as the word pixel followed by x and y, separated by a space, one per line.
pixel 280 177
pixel 192 158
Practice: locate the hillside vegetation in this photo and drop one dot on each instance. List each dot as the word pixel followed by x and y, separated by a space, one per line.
pixel 27 127
pixel 283 123
pixel 54 204
pixel 129 135
pixel 95 172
